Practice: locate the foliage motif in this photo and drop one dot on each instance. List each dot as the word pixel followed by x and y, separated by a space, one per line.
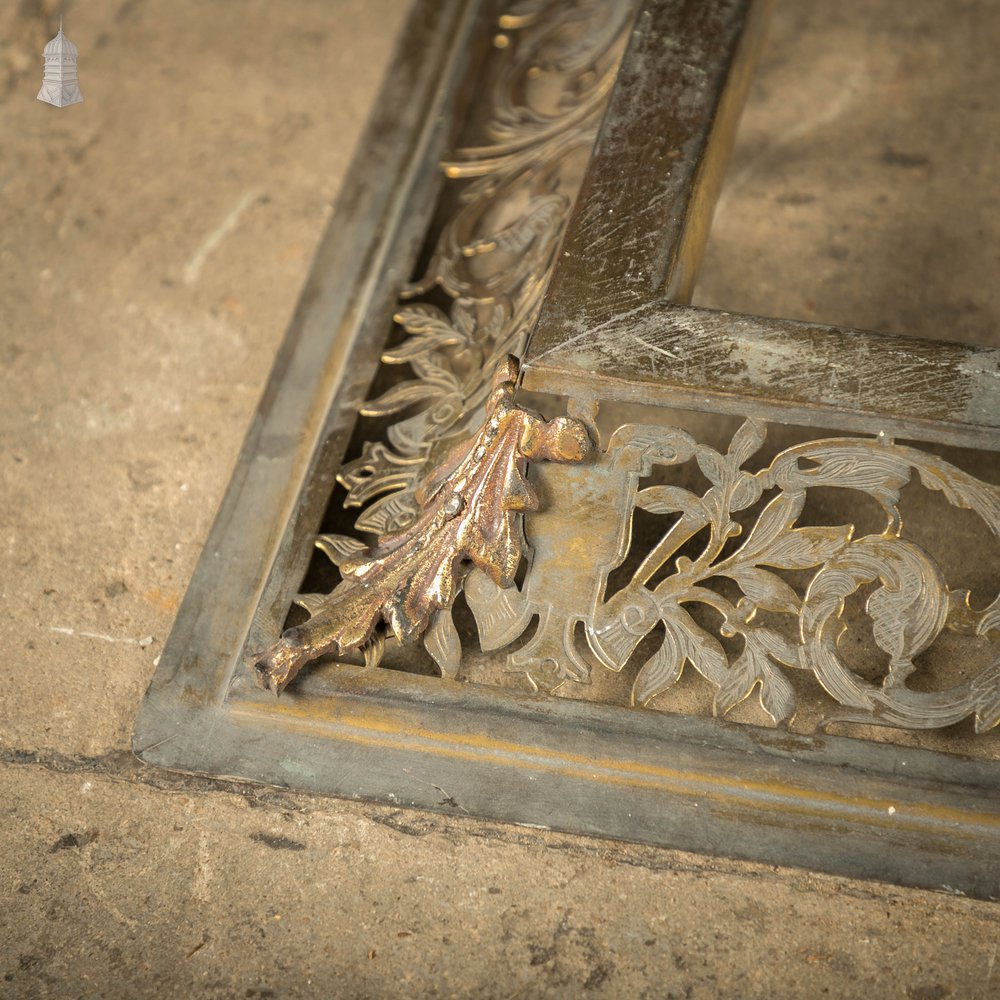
pixel 908 608
pixel 469 508
pixel 492 261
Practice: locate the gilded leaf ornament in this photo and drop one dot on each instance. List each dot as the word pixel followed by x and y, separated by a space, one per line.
pixel 470 504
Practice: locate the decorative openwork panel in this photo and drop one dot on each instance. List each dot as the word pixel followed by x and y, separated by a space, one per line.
pixel 516 520
pixel 757 575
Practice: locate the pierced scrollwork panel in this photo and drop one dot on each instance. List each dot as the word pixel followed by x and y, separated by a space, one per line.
pixel 555 542
pixel 742 577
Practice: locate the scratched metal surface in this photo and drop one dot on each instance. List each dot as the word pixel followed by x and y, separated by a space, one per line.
pixel 610 321
pixel 644 209
pixel 784 370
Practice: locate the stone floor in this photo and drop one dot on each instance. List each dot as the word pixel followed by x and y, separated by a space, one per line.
pixel 153 241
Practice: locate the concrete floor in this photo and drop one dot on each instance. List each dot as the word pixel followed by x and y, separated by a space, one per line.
pixel 153 243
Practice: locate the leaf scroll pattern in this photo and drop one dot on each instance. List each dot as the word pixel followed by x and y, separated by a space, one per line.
pixel 908 609
pixel 909 604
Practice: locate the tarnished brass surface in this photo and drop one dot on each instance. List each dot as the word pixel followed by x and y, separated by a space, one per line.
pixel 783 370
pixel 647 199
pixel 632 567
pixel 469 508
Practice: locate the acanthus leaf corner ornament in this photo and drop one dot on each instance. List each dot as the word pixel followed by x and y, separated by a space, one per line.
pixel 492 259
pixel 470 503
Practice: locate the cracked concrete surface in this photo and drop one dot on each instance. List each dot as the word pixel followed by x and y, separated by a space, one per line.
pixel 153 243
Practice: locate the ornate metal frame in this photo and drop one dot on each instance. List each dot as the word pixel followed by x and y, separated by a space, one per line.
pixel 592 300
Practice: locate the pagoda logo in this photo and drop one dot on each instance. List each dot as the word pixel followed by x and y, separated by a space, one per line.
pixel 60 85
